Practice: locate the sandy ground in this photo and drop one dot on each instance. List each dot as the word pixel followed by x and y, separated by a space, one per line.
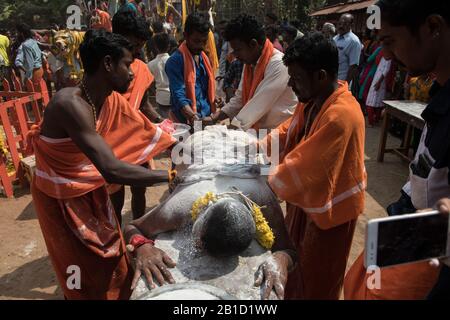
pixel 26 272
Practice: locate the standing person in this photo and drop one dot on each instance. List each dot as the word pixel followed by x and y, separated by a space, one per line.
pixel 349 47
pixel 377 91
pixel 101 19
pixel 232 79
pixel 73 162
pixel 191 76
pixel 272 34
pixel 29 55
pixel 126 5
pixel 264 100
pixel 136 30
pixel 4 56
pixel 157 68
pixel 419 41
pixel 329 30
pixel 321 172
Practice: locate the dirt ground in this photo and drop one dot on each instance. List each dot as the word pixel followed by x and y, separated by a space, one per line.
pixel 26 272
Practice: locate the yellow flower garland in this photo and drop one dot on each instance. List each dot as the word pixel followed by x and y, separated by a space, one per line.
pixel 264 234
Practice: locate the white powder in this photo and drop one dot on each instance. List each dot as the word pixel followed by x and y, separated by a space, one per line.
pixel 185 294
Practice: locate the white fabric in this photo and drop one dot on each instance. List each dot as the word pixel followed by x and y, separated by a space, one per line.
pixel 273 101
pixel 375 98
pixel 157 68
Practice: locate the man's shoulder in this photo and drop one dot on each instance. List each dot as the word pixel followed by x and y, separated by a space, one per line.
pixel 353 37
pixel 175 59
pixel 65 99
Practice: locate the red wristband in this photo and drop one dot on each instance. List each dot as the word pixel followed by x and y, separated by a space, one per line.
pixel 138 240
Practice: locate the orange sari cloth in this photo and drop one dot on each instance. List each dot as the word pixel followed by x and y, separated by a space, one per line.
pixel 404 282
pixel 322 178
pixel 142 80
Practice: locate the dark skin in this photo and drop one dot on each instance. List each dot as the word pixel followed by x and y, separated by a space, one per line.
pixel 248 53
pixel 195 42
pixel 311 87
pixel 271 276
pixel 345 26
pixel 420 52
pixel 70 115
pixel 138 201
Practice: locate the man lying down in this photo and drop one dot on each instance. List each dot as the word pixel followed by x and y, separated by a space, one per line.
pixel 221 224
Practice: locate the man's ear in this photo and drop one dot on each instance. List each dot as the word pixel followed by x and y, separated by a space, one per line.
pixel 322 75
pixel 253 43
pixel 108 63
pixel 435 24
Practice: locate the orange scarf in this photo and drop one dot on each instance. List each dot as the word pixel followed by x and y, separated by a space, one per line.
pixel 323 173
pixel 63 171
pixel 189 77
pixel 253 79
pixel 141 82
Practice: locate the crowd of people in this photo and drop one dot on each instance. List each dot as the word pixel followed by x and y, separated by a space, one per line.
pixel 313 88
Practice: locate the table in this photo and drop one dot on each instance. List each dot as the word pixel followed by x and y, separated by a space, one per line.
pixel 406 111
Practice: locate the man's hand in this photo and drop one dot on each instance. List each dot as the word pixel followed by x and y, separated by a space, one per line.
pixel 273 273
pixel 207 121
pixel 443 206
pixel 152 262
pixel 219 103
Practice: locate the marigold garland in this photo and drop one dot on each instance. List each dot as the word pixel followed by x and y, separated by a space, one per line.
pixel 264 234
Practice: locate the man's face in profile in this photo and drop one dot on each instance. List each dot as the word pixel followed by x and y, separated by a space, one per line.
pixel 414 50
pixel 122 75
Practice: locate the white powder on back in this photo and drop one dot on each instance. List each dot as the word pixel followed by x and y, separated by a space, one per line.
pixel 185 294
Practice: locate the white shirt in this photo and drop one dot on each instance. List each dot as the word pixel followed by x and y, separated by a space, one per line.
pixel 156 67
pixel 273 101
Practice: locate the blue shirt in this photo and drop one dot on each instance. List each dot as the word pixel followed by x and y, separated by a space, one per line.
pixel 29 56
pixel 349 48
pixel 127 6
pixel 178 99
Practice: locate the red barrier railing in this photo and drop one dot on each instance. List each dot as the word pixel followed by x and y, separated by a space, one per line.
pixel 19 110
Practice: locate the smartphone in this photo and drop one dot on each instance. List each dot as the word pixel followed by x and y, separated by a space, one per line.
pixel 406 238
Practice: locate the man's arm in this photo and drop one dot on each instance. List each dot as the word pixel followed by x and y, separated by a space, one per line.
pixel 78 123
pixel 354 55
pixel 148 110
pixel 20 58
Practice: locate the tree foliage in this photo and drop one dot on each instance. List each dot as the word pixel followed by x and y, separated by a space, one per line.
pixel 37 13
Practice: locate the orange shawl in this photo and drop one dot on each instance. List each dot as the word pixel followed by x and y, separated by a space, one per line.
pixel 63 171
pixel 252 79
pixel 142 80
pixel 323 173
pixel 104 21
pixel 189 77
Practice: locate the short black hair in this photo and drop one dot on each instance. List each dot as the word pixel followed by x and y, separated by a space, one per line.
pixel 412 13
pixel 245 28
pixel 272 16
pixel 229 228
pixel 157 27
pixel 25 30
pixel 127 23
pixel 313 52
pixel 162 42
pixel 99 43
pixel 197 22
pixel 290 30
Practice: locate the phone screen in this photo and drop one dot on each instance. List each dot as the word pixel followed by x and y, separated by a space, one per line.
pixel 408 240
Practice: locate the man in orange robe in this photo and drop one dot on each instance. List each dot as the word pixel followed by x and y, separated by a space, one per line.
pixel 321 172
pixel 101 20
pixel 137 31
pixel 73 163
pixel 420 43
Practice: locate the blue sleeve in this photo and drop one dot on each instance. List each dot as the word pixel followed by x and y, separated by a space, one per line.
pixel 354 53
pixel 174 70
pixel 19 57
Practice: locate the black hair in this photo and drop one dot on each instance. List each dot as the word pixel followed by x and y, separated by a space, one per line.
pixel 271 30
pixel 290 30
pixel 245 28
pixel 412 13
pixel 99 43
pixel 197 22
pixel 127 23
pixel 313 52
pixel 25 30
pixel 162 42
pixel 228 229
pixel 157 27
pixel 272 16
